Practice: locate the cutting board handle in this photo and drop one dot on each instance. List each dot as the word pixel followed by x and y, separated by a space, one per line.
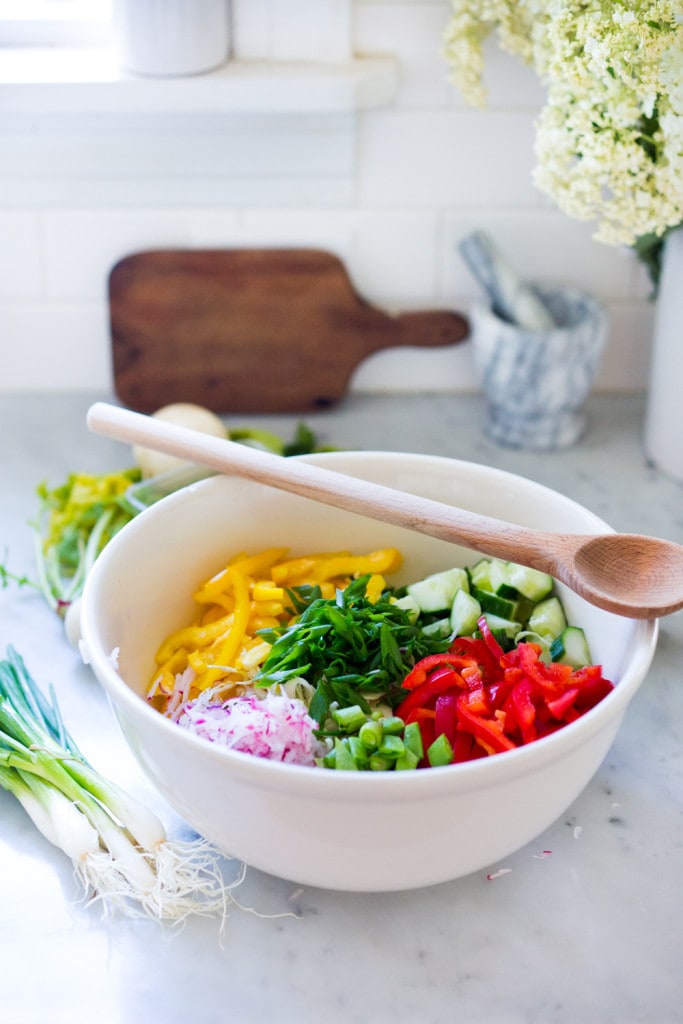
pixel 430 327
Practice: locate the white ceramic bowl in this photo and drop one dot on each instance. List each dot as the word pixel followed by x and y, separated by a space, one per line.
pixel 343 830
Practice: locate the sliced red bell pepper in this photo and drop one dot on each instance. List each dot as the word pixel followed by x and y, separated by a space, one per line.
pixel 464 746
pixel 445 716
pixel 527 656
pixel 521 707
pixel 499 692
pixel 486 704
pixel 477 701
pixel 561 706
pixel 475 648
pixel 440 682
pixel 473 676
pixel 489 732
pixel 592 686
pixel 425 667
pixel 489 639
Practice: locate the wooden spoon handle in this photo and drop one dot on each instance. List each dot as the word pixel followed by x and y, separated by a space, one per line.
pixel 436 519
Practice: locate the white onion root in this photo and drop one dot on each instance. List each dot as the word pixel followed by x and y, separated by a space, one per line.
pixel 186 879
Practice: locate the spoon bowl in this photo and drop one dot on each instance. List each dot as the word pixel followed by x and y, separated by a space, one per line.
pixel 627 574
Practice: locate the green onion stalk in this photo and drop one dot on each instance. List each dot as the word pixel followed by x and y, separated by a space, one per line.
pixel 75 521
pixel 73 524
pixel 121 854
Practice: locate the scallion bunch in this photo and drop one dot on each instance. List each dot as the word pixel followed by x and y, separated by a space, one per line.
pixel 119 849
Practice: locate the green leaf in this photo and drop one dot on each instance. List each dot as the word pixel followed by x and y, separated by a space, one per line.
pixel 320 702
pixel 649 249
pixel 303 443
pixel 391 655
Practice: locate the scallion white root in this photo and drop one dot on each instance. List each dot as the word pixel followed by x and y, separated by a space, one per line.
pixel 187 880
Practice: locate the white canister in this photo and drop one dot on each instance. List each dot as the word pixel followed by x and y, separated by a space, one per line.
pixel 169 38
pixel 664 419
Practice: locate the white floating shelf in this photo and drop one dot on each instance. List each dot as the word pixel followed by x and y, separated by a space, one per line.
pixel 87 81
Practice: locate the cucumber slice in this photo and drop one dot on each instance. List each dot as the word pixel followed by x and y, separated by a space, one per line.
pixel 498 574
pixel 518 608
pixel 489 574
pixel 493 603
pixel 530 582
pixel 480 573
pixel 506 627
pixel 436 593
pixel 571 648
pixel 465 613
pixel 439 628
pixel 409 605
pixel 548 618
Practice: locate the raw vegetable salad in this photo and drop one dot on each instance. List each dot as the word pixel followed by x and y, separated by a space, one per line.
pixel 317 660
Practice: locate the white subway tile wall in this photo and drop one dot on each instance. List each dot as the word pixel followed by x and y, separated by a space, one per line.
pixel 390 190
pixel 307 30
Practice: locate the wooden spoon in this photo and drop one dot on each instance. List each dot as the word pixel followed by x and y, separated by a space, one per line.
pixel 628 574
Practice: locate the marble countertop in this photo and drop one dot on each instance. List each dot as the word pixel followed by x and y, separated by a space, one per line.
pixel 583 927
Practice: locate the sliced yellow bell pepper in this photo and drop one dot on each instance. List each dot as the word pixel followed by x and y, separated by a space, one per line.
pixel 383 561
pixel 230 646
pixel 375 588
pixel 192 637
pixel 266 590
pixel 246 565
pixel 298 570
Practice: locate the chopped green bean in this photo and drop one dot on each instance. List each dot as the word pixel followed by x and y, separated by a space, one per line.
pixel 343 757
pixel 379 763
pixel 412 738
pixel 392 725
pixel 329 760
pixel 391 746
pixel 350 719
pixel 358 751
pixel 407 761
pixel 370 734
pixel 440 752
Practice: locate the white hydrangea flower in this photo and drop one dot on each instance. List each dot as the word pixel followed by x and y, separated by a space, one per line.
pixel 609 142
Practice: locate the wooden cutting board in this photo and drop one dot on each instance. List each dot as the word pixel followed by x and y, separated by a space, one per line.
pixel 249 330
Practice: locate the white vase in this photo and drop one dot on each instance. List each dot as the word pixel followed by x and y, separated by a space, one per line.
pixel 664 417
pixel 169 38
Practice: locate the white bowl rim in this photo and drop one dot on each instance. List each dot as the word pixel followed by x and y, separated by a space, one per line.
pixel 375 786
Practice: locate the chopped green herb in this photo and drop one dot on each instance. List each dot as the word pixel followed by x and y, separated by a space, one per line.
pixel 348 648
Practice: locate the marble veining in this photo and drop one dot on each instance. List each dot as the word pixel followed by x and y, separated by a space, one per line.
pixel 582 926
pixel 536 382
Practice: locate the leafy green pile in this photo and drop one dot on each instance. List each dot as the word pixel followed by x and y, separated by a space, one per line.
pixel 348 648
